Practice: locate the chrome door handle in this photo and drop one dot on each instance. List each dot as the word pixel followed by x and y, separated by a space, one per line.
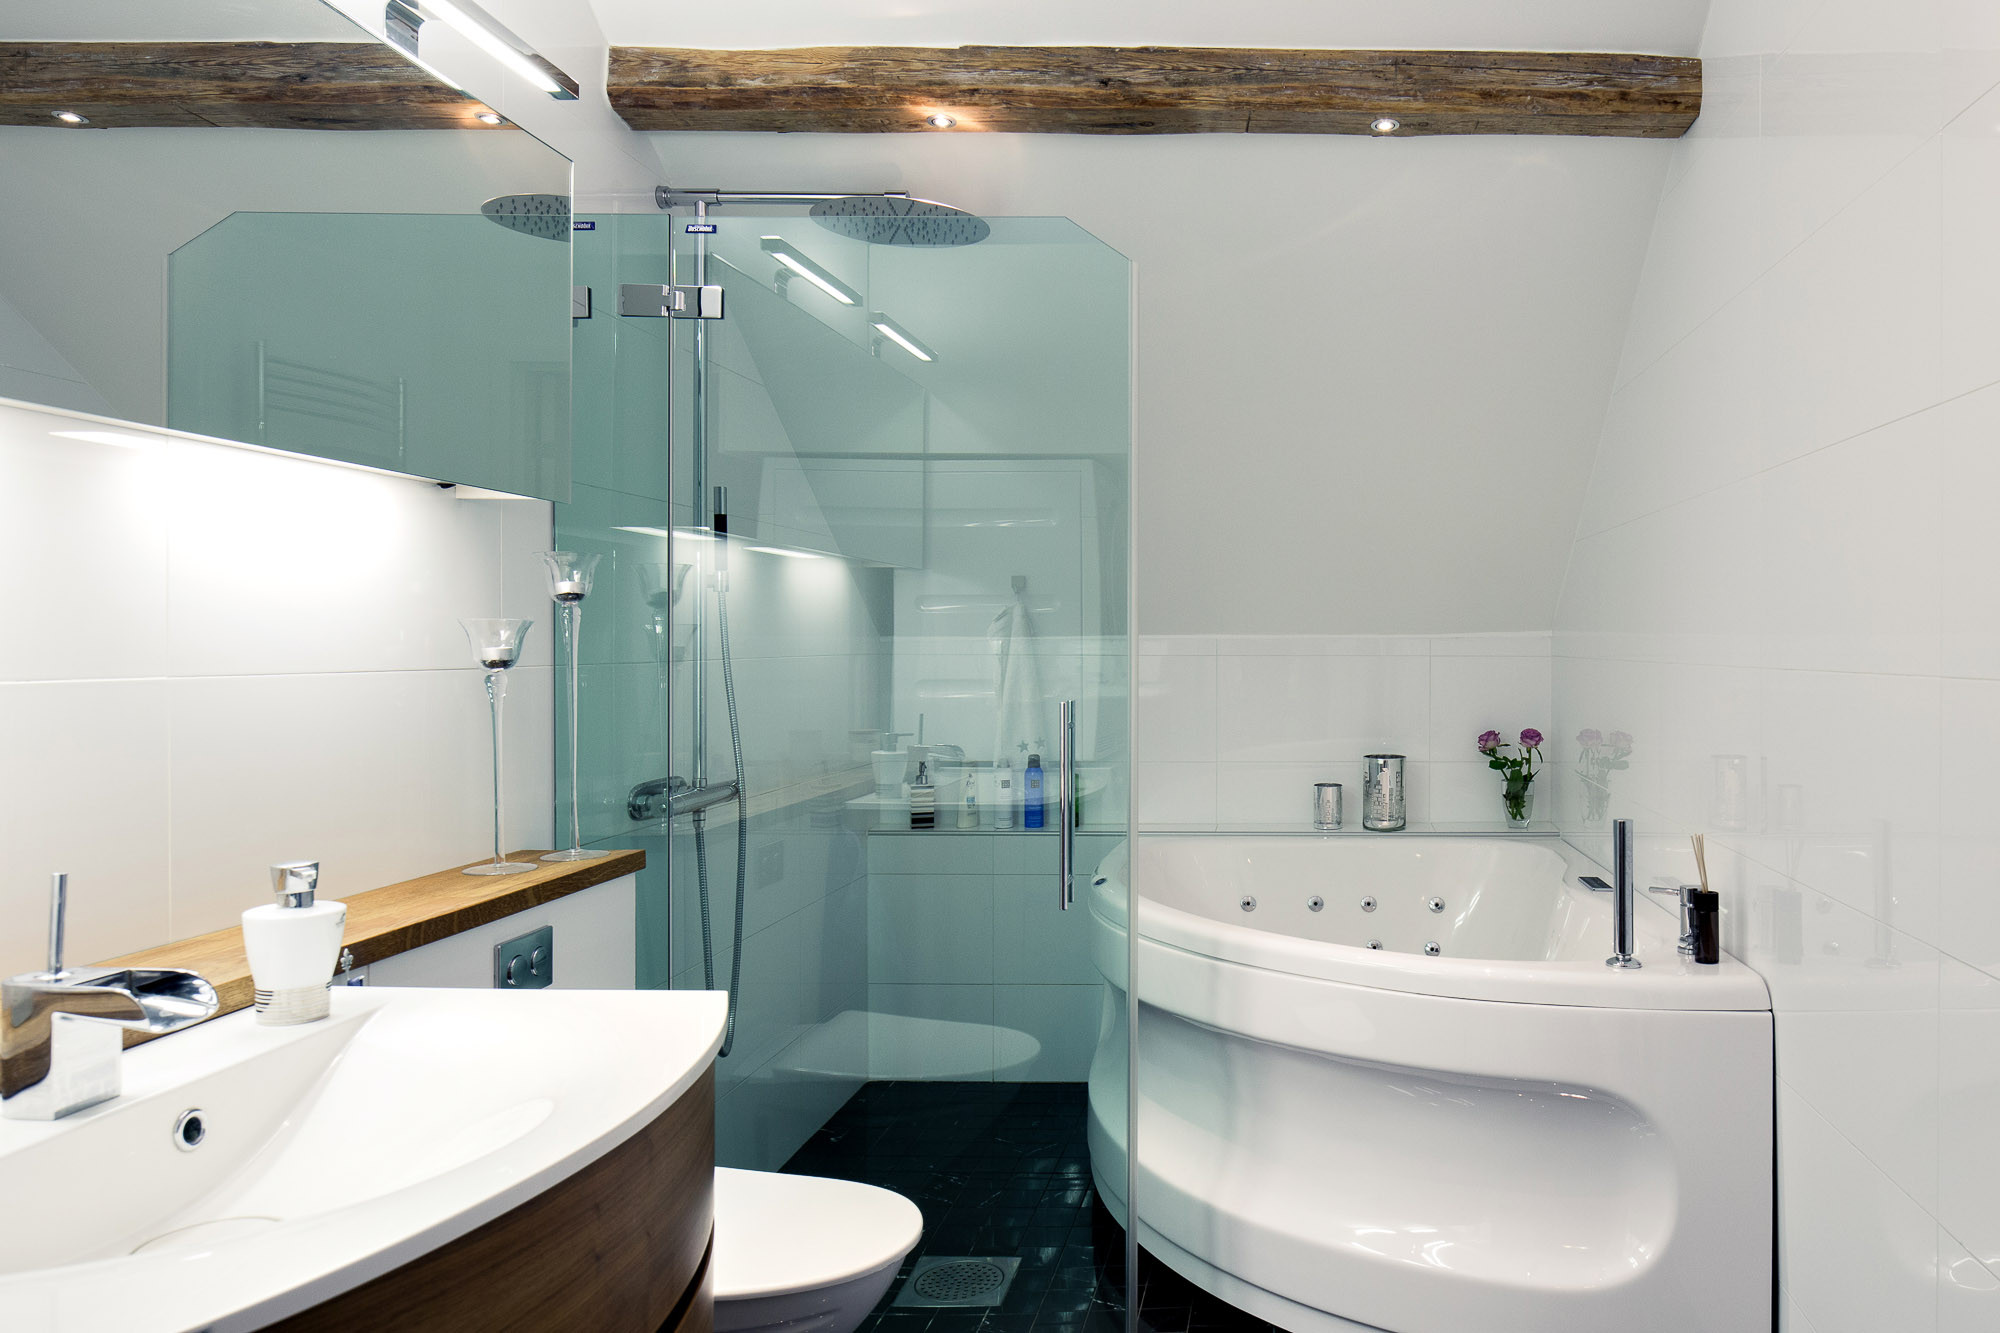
pixel 1066 799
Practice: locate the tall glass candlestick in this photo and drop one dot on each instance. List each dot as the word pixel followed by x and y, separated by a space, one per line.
pixel 497 645
pixel 570 576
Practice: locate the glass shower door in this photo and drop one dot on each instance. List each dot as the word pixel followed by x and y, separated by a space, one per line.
pixel 893 543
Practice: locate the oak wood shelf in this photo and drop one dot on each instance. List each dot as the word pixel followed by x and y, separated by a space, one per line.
pixel 1154 90
pixel 387 921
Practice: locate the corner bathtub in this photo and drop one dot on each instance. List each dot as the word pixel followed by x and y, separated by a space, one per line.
pixel 1502 1136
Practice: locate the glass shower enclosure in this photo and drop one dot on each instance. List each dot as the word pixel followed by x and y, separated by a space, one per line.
pixel 858 679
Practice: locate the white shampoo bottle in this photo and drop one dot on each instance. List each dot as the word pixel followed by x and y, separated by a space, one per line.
pixel 293 945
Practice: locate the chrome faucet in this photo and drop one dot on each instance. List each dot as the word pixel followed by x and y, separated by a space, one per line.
pixel 1624 894
pixel 62 1030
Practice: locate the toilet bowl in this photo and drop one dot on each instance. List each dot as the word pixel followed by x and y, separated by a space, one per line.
pixel 803 1253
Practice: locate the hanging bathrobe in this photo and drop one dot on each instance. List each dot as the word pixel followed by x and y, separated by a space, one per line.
pixel 1019 728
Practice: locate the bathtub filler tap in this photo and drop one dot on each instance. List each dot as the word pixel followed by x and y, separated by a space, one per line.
pixel 1624 895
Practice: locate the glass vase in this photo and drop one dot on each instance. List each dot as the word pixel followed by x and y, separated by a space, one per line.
pixel 1520 807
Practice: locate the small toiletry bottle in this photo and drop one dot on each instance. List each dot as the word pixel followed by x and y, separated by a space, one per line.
pixel 1003 804
pixel 293 945
pixel 1705 916
pixel 1033 808
pixel 923 799
pixel 968 803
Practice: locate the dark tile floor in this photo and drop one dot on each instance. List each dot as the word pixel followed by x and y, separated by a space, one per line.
pixel 1002 1169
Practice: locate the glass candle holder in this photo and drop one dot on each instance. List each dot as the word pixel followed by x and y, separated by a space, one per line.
pixel 496 644
pixel 570 579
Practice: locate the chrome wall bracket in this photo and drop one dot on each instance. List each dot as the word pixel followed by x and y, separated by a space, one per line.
pixel 640 300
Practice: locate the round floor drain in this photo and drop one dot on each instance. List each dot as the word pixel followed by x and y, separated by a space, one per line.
pixel 965 1280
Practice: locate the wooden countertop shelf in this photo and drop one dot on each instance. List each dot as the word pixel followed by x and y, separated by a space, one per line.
pixel 396 919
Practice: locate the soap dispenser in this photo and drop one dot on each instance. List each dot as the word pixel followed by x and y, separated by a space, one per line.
pixel 293 945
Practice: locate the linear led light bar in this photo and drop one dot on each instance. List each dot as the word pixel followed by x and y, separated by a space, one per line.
pixel 785 253
pixel 900 336
pixel 405 19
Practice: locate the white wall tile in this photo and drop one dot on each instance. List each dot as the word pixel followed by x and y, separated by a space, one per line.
pixel 380 776
pixel 1969 849
pixel 1788 556
pixel 1035 942
pixel 1471 695
pixel 1851 317
pixel 930 929
pixel 1858 1253
pixel 1851 554
pixel 1968 1101
pixel 1173 793
pixel 85 789
pixel 1062 1020
pixel 83 519
pixel 1282 793
pixel 1299 708
pixel 1176 708
pixel 250 657
pixel 1968 1291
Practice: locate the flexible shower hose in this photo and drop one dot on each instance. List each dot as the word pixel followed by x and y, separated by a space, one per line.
pixel 742 836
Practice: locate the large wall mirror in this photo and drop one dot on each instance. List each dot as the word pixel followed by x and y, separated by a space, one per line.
pixel 254 220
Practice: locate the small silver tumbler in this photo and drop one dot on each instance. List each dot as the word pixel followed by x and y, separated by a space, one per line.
pixel 1382 792
pixel 1326 806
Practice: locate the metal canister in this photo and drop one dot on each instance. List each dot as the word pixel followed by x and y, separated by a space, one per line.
pixel 1382 804
pixel 1326 806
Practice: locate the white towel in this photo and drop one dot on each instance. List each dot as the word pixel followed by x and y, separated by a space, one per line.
pixel 1018 725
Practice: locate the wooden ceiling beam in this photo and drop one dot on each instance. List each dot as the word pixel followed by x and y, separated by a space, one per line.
pixel 265 85
pixel 1154 90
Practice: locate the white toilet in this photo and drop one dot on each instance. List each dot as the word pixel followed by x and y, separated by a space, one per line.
pixel 803 1253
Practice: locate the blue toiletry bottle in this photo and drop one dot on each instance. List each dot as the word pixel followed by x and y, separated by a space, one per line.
pixel 1032 806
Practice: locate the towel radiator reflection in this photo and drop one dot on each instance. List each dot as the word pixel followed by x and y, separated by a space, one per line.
pixel 291 393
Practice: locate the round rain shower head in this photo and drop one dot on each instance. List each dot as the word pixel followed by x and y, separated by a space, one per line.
pixel 543 215
pixel 888 220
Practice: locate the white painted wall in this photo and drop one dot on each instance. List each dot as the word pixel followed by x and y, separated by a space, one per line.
pixel 1372 370
pixel 1667 27
pixel 223 658
pixel 1370 373
pixel 1785 571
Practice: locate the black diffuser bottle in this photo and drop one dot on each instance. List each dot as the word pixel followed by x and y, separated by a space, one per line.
pixel 1705 920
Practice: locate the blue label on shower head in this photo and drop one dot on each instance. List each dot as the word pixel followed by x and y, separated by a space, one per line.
pixel 701 228
pixel 583 226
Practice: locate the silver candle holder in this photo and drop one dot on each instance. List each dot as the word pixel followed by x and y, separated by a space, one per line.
pixel 1382 800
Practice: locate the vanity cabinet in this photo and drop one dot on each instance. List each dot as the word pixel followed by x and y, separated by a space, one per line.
pixel 621 1246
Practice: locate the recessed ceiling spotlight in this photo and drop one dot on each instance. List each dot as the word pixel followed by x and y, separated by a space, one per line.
pixel 940 121
pixel 487 118
pixel 1385 125
pixel 71 118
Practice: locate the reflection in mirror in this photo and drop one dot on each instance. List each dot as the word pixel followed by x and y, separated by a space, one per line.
pixel 256 221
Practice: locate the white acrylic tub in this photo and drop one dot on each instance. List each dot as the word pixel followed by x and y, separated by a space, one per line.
pixel 1506 1137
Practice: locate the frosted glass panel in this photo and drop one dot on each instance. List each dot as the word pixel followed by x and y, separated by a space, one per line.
pixel 419 343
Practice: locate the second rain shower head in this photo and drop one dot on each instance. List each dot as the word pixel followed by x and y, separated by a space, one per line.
pixel 543 215
pixel 894 220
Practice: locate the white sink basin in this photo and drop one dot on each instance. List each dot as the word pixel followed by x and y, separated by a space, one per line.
pixel 332 1152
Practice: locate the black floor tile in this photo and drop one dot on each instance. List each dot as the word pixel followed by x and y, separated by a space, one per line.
pixel 1004 1169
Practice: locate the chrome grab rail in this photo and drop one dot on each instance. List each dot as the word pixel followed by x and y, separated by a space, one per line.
pixel 1066 799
